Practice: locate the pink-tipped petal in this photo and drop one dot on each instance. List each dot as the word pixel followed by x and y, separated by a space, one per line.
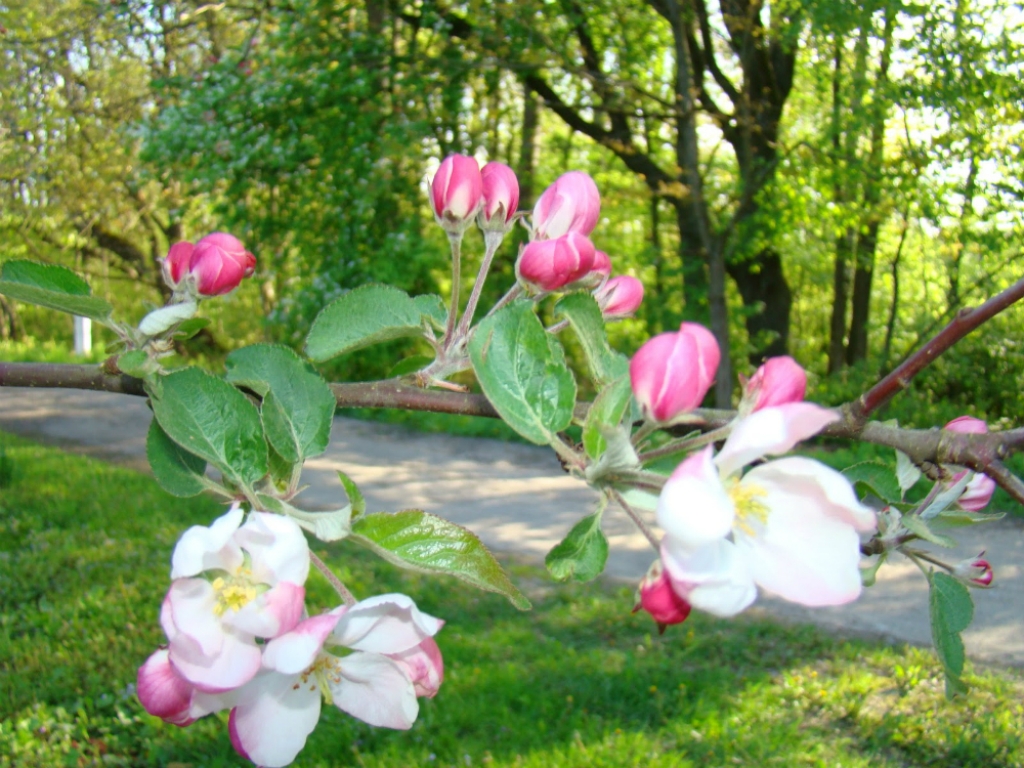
pixel 277 547
pixel 770 432
pixel 162 691
pixel 571 204
pixel 967 425
pixel 672 372
pixel 779 381
pixel 694 508
pixel 271 723
pixel 203 548
pixel 388 623
pixel 295 651
pixel 376 690
pixel 500 192
pixel 273 613
pixel 712 579
pixel 424 666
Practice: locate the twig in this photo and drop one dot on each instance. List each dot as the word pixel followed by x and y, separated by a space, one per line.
pixel 340 588
pixel 635 517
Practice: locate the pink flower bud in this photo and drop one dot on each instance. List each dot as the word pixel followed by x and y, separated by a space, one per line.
pixel 553 264
pixel 780 380
pixel 602 264
pixel 218 264
pixel 975 572
pixel 456 192
pixel 619 297
pixel 672 372
pixel 656 596
pixel 162 691
pixel 980 488
pixel 571 204
pixel 176 263
pixel 424 665
pixel 967 425
pixel 501 196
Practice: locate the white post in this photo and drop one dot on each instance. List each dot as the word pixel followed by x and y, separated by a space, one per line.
pixel 83 335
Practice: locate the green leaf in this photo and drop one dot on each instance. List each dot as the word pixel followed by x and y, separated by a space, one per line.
pixel 298 405
pixel 423 542
pixel 878 478
pixel 354 496
pixel 582 554
pixel 956 517
pixel 137 363
pixel 177 471
pixel 331 525
pixel 410 365
pixel 211 419
pixel 920 528
pixel 951 609
pixel 605 414
pixel 907 473
pixel 366 315
pixel 584 315
pixel 432 307
pixel 48 285
pixel 522 371
pixel 190 328
pixel 947 497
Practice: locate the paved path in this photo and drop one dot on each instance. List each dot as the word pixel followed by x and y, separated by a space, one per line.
pixel 517 499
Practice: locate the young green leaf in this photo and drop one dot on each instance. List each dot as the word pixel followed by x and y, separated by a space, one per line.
pixel 920 528
pixel 54 287
pixel 907 473
pixel 951 609
pixel 522 371
pixel 298 405
pixel 178 472
pixel 433 308
pixel 355 498
pixel 423 542
pixel 877 478
pixel 605 413
pixel 364 316
pixel 582 554
pixel 330 525
pixel 584 315
pixel 211 419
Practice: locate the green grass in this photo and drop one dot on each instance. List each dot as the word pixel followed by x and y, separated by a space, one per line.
pixel 84 558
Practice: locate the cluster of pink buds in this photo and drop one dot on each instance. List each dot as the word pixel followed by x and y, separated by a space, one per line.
pixel 238 639
pixel 462 193
pixel 212 267
pixel 980 488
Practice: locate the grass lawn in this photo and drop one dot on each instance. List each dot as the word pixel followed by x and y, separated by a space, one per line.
pixel 579 681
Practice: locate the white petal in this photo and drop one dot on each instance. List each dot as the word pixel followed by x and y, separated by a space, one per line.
pixel 802 553
pixel 376 690
pixel 694 508
pixel 236 663
pixel 202 548
pixel 276 714
pixel 295 651
pixel 277 546
pixel 188 610
pixel 274 612
pixel 385 624
pixel 835 493
pixel 711 578
pixel 771 431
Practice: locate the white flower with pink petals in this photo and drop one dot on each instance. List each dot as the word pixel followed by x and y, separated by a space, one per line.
pixel 790 526
pixel 393 661
pixel 232 583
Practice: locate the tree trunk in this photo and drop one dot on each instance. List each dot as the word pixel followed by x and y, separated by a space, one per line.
pixel 762 282
pixel 527 148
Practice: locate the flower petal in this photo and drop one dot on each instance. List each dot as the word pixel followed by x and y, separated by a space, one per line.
pixel 376 690
pixel 295 651
pixel 694 508
pixel 835 494
pixel 277 547
pixel 385 624
pixel 274 612
pixel 712 578
pixel 807 550
pixel 771 431
pixel 203 548
pixel 273 719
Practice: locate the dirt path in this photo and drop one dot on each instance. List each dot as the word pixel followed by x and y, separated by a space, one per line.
pixel 517 499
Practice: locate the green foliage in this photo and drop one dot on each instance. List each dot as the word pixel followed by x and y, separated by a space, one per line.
pixel 425 542
pixel 521 368
pixel 52 286
pixel 582 554
pixel 951 609
pixel 578 682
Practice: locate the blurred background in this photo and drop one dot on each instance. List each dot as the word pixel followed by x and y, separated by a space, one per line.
pixel 839 177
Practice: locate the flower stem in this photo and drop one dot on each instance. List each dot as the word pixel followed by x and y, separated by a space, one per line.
pixel 340 588
pixel 635 517
pixel 455 239
pixel 686 444
pixel 491 242
pixel 513 293
pixel 558 327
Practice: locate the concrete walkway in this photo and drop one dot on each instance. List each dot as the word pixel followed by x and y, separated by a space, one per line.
pixel 517 499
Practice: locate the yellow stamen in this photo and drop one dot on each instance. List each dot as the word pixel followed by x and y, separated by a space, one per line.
pixel 234 592
pixel 747 500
